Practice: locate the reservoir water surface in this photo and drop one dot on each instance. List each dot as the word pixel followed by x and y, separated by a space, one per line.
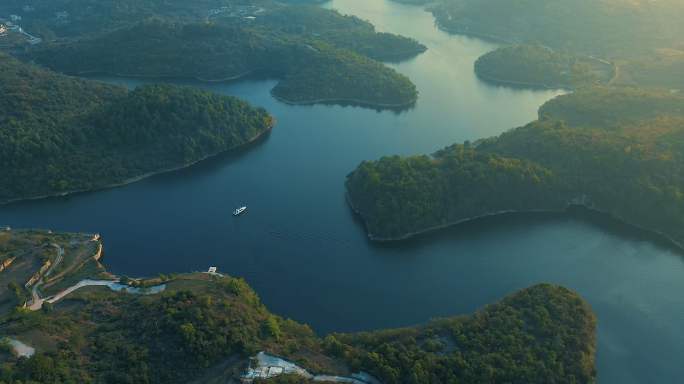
pixel 306 252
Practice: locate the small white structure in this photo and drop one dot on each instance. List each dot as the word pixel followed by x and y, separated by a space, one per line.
pixel 15 18
pixel 21 348
pixel 62 15
pixel 250 17
pixel 212 271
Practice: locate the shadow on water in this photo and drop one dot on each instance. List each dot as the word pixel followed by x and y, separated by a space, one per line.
pixel 208 166
pixel 215 163
pixel 481 226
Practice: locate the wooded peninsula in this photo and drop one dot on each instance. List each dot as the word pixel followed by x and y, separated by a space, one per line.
pixel 641 38
pixel 530 64
pixel 604 148
pixel 204 327
pixel 323 55
pixel 61 134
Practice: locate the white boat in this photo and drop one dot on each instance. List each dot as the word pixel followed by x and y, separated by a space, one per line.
pixel 239 211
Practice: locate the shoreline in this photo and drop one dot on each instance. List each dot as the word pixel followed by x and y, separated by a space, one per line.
pixel 279 98
pixel 576 201
pixel 445 29
pixel 399 53
pixel 565 87
pixel 362 102
pixel 143 176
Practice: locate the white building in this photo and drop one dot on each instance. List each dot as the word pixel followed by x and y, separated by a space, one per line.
pixel 62 15
pixel 15 18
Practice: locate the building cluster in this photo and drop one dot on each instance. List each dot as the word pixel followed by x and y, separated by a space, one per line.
pixel 4 25
pixel 62 15
pixel 245 11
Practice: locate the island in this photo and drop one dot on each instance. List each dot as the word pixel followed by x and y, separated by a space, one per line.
pixel 640 40
pixel 614 150
pixel 322 55
pixel 60 134
pixel 209 327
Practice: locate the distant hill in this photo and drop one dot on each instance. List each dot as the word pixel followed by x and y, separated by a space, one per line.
pixel 642 37
pixel 324 55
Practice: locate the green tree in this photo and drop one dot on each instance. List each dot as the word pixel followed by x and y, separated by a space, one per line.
pixel 46 307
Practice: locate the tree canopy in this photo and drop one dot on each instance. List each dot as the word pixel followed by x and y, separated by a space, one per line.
pixel 324 55
pixel 542 333
pixel 619 154
pixel 533 64
pixel 60 133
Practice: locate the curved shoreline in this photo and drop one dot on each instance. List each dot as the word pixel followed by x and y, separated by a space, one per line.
pixel 399 53
pixel 445 29
pixel 279 98
pixel 581 202
pixel 140 177
pixel 362 102
pixel 565 87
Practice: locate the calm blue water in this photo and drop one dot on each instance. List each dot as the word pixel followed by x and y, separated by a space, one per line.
pixel 306 252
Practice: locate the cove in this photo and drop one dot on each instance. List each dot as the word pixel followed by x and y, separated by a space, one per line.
pixel 306 253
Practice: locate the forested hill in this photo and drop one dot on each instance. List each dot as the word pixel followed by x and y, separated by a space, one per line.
pixel 324 55
pixel 205 328
pixel 629 167
pixel 401 196
pixel 609 108
pixel 59 133
pixel 635 35
pixel 541 334
pixel 534 64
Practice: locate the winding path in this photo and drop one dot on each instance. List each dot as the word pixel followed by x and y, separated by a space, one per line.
pixel 37 297
pixel 111 284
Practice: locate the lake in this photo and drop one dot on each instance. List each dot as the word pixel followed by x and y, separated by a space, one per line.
pixel 307 254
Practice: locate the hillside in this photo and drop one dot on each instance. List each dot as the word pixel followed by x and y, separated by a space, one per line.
pixel 324 55
pixel 635 35
pixel 204 327
pixel 535 65
pixel 605 159
pixel 60 133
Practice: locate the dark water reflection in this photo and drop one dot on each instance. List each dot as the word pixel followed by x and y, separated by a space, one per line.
pixel 307 254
